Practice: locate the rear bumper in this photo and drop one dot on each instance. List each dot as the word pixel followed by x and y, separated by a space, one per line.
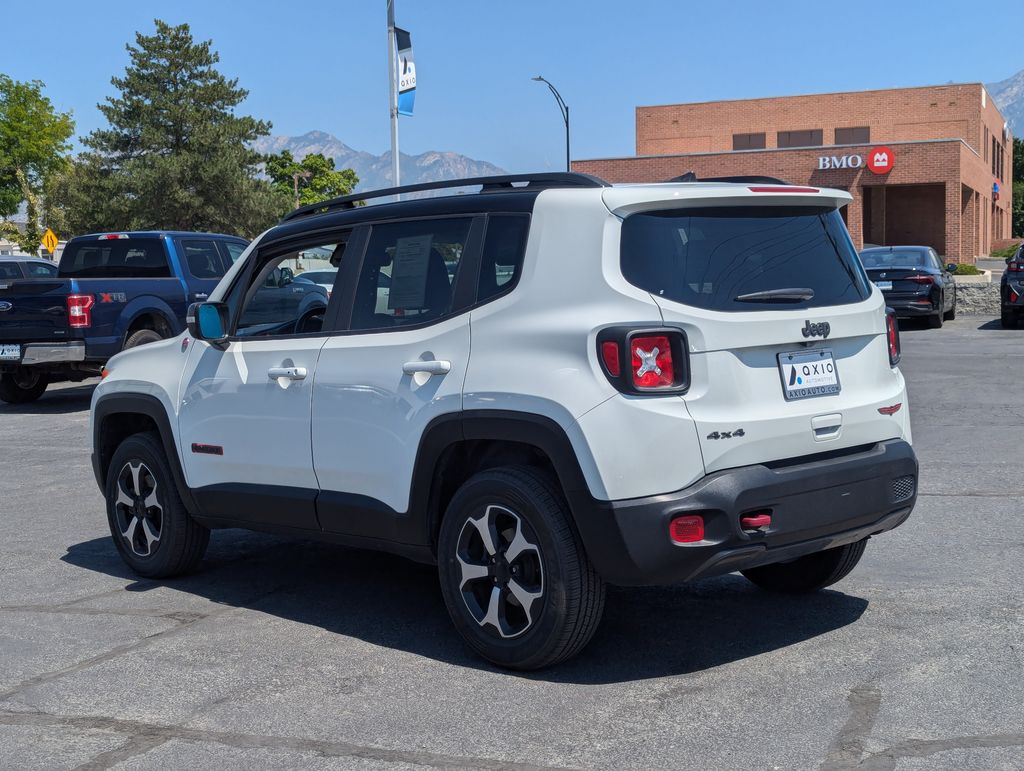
pixel 911 308
pixel 816 503
pixel 52 353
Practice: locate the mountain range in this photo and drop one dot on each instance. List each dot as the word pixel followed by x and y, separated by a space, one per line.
pixel 374 171
pixel 1009 96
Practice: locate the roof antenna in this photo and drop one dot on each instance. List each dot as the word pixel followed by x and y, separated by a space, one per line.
pixel 689 176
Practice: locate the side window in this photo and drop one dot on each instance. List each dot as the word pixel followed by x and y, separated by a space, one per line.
pixel 276 303
pixel 408 272
pixel 235 250
pixel 39 270
pixel 502 257
pixel 9 270
pixel 202 258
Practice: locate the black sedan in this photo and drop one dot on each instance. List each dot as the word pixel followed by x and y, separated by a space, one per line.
pixel 914 281
pixel 24 266
pixel 1011 291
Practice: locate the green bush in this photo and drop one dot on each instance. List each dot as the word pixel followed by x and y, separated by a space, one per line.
pixel 1004 254
pixel 963 269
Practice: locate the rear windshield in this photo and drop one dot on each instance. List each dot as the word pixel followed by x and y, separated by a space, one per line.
pixel 742 258
pixel 905 258
pixel 115 258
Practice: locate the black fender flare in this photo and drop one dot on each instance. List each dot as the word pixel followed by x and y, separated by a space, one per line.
pixel 151 407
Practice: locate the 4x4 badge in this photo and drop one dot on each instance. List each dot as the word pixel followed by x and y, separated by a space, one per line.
pixel 820 329
pixel 726 434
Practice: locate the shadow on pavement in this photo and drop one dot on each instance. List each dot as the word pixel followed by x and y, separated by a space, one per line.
pixel 56 401
pixel 391 602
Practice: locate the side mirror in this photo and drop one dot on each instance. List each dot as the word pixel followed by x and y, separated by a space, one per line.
pixel 951 267
pixel 209 322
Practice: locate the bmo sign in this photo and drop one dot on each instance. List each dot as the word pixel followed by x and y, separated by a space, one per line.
pixel 879 160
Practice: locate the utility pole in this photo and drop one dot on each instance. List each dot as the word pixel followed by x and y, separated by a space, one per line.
pixel 295 179
pixel 393 93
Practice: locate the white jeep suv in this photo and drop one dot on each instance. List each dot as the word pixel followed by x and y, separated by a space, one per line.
pixel 541 387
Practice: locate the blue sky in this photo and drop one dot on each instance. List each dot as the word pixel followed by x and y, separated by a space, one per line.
pixel 322 65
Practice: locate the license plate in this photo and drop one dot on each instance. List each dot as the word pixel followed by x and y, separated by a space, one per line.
pixel 883 285
pixel 806 374
pixel 10 352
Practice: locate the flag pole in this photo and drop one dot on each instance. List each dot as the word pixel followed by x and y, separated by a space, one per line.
pixel 393 93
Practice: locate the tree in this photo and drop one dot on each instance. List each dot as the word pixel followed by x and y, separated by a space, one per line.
pixel 322 182
pixel 33 144
pixel 1018 188
pixel 175 154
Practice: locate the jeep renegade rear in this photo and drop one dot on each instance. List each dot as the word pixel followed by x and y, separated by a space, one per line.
pixel 549 385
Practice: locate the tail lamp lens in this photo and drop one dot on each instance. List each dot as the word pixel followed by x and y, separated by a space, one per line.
pixel 610 357
pixel 920 279
pixel 892 334
pixel 652 364
pixel 1015 267
pixel 686 529
pixel 80 310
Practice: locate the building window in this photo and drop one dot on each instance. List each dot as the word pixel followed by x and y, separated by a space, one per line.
pixel 808 138
pixel 857 135
pixel 748 141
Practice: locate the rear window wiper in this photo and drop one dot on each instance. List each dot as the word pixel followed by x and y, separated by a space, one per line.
pixel 791 295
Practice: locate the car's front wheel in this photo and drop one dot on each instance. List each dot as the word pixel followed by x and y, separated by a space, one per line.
pixel 22 385
pixel 810 572
pixel 515 577
pixel 153 532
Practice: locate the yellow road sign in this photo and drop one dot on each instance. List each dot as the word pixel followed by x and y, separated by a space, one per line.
pixel 50 240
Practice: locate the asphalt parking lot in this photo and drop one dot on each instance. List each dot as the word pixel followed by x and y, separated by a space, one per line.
pixel 289 654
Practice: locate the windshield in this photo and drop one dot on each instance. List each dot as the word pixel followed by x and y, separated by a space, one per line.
pixel 115 258
pixel 897 258
pixel 744 258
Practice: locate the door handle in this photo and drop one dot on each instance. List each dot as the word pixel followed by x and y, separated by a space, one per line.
pixel 288 373
pixel 429 367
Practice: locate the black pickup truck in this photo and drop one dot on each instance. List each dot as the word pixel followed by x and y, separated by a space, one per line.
pixel 112 291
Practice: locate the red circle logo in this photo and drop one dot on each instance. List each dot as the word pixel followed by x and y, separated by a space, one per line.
pixel 881 160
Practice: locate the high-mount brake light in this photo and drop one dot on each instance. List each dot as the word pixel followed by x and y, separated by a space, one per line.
pixel 113 236
pixel 80 310
pixel 892 336
pixel 651 361
pixel 782 189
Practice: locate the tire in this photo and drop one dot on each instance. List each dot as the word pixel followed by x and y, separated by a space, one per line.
pixel 141 337
pixel 139 475
pixel 524 506
pixel 935 322
pixel 809 573
pixel 23 385
pixel 1008 320
pixel 951 313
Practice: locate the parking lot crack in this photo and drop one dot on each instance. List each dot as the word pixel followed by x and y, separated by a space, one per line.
pixel 146 736
pixel 848 747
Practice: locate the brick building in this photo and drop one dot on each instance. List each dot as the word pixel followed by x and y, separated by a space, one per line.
pixel 924 165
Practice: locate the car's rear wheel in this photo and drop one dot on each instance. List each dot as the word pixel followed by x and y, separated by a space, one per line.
pixel 809 573
pixel 515 577
pixel 152 530
pixel 1008 319
pixel 22 385
pixel 935 321
pixel 951 313
pixel 141 337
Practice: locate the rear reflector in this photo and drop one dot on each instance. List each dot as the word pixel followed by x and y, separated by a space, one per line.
pixel 610 357
pixel 80 310
pixel 688 529
pixel 892 409
pixel 1014 296
pixel 892 336
pixel 785 189
pixel 651 359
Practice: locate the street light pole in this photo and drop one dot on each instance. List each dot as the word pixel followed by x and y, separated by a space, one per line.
pixel 295 179
pixel 564 109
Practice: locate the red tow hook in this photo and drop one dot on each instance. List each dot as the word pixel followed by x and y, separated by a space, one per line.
pixel 759 521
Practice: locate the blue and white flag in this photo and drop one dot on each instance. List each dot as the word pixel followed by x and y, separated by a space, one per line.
pixel 406 72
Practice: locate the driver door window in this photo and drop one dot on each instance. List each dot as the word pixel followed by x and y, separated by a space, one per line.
pixel 279 302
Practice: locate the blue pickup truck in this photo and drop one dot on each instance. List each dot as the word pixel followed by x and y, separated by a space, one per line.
pixel 112 291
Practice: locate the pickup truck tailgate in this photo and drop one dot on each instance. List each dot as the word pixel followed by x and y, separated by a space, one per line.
pixel 33 310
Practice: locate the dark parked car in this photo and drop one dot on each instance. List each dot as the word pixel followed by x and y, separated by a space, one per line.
pixel 1011 290
pixel 914 281
pixel 24 266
